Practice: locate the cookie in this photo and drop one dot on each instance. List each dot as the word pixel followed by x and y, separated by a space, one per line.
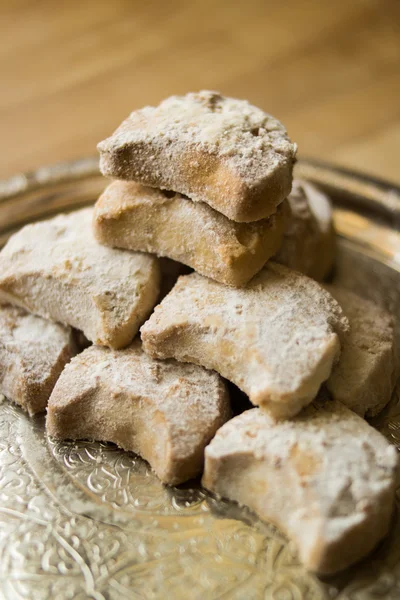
pixel 309 241
pixel 366 373
pixel 325 478
pixel 277 339
pixel 57 270
pixel 33 352
pixel 221 151
pixel 129 215
pixel 163 410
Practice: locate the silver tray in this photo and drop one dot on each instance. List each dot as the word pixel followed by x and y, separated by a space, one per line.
pixel 85 520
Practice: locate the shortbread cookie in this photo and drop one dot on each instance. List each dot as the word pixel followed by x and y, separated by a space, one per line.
pixel 309 241
pixel 217 150
pixel 277 339
pixel 326 478
pixel 165 411
pixel 33 352
pixel 130 215
pixel 57 270
pixel 366 373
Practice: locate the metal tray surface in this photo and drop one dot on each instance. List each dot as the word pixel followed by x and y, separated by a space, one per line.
pixel 85 520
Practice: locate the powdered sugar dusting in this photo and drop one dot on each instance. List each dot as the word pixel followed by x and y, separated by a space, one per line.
pixel 320 477
pixel 365 376
pixel 33 352
pixel 218 150
pixel 232 128
pixel 276 339
pixel 57 269
pixel 133 398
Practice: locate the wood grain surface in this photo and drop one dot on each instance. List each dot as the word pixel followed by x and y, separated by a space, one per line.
pixel 330 70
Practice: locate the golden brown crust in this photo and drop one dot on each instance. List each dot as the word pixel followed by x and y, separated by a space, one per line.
pixel 163 410
pixel 129 215
pixel 216 150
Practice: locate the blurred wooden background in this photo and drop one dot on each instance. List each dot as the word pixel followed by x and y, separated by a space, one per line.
pixel 330 70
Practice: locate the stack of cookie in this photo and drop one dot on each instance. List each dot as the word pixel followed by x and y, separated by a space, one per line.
pixel 207 181
pixel 204 180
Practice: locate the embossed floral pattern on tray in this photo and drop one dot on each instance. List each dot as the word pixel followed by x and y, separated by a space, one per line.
pixel 122 479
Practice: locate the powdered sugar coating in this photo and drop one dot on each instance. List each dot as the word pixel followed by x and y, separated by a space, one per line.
pixel 326 478
pixel 309 241
pixel 366 373
pixel 56 269
pixel 276 339
pixel 130 215
pixel 165 411
pixel 214 149
pixel 33 353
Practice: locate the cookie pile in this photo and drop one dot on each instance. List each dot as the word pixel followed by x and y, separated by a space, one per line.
pixel 204 180
pixel 205 183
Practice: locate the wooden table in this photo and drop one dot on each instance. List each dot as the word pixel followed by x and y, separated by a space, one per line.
pixel 330 70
